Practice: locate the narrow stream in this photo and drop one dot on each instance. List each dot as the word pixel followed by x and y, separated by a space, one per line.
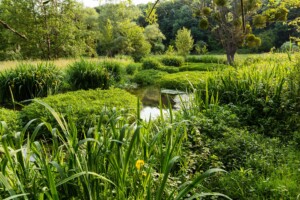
pixel 150 98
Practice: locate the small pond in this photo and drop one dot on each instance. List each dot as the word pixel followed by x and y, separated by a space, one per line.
pixel 150 97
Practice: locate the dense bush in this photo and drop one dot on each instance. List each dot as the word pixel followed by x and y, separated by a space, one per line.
pixel 81 106
pixel 259 98
pixel 151 63
pixel 87 75
pixel 203 67
pixel 27 81
pixel 183 80
pixel 11 118
pixel 289 46
pixel 148 77
pixel 169 69
pixel 114 68
pixel 132 68
pixel 206 59
pixel 175 61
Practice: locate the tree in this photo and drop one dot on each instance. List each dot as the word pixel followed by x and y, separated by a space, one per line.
pixel 119 34
pixel 155 37
pixel 229 21
pixel 173 15
pixel 184 41
pixel 53 28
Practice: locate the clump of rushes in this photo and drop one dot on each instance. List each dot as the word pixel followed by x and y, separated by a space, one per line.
pixel 175 61
pixel 87 75
pixel 28 81
pixel 151 63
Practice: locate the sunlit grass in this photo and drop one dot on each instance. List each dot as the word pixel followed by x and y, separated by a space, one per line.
pixel 61 63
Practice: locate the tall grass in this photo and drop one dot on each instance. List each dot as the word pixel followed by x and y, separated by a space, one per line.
pixel 116 160
pixel 261 94
pixel 29 81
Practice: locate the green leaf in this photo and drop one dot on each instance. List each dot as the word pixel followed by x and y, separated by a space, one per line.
pixel 200 178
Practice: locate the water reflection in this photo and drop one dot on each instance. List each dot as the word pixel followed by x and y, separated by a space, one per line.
pixel 150 97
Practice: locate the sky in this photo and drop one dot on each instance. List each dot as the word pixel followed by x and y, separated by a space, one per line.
pixel 93 3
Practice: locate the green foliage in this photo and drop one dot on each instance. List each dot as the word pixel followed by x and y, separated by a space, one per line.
pixel 151 63
pixel 140 47
pixel 259 21
pixel 201 47
pixel 277 14
pixel 252 41
pixel 203 24
pixel 115 69
pixel 170 50
pixel 81 107
pixel 184 42
pixel 183 80
pixel 28 81
pixel 206 11
pixel 206 59
pixel 52 29
pixel 176 61
pixel 132 68
pixel 148 77
pixel 289 47
pixel 203 67
pixel 121 35
pixel 268 39
pixel 88 169
pixel 155 37
pixel 87 75
pixel 11 120
pixel 258 93
pixel 170 69
pixel 220 2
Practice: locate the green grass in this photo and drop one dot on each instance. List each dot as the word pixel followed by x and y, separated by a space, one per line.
pixel 203 67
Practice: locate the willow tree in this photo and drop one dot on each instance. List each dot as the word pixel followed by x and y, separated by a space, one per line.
pixel 231 21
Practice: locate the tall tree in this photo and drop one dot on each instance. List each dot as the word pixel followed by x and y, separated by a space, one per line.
pixel 184 41
pixel 53 28
pixel 119 34
pixel 230 21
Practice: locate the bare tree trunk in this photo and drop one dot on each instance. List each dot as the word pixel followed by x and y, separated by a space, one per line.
pixel 230 53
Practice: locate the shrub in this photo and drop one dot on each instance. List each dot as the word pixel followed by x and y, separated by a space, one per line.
pixel 169 69
pixel 11 118
pixel 175 61
pixel 27 81
pixel 289 46
pixel 183 80
pixel 114 68
pixel 132 68
pixel 87 75
pixel 80 106
pixel 148 77
pixel 184 41
pixel 151 63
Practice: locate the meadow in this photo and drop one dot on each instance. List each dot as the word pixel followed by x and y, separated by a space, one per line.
pixel 70 130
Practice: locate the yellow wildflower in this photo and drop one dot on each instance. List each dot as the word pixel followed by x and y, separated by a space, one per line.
pixel 139 164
